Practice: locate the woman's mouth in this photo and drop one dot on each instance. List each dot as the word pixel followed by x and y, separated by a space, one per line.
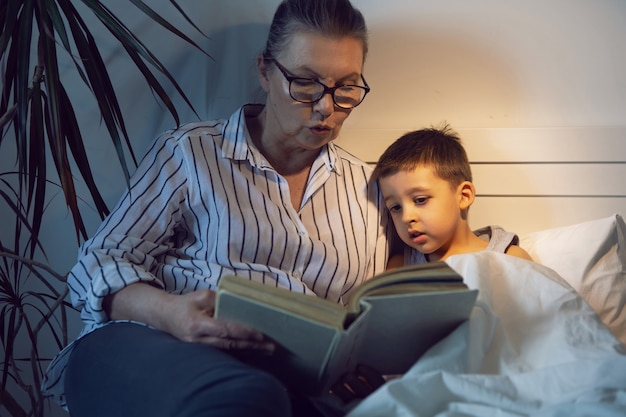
pixel 320 130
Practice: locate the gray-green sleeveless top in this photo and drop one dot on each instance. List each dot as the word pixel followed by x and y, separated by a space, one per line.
pixel 498 238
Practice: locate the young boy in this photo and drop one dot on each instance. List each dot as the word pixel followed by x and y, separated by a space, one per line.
pixel 426 182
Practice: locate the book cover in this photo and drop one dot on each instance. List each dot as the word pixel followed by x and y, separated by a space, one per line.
pixel 387 324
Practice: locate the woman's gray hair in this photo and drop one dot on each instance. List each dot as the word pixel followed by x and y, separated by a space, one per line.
pixel 333 18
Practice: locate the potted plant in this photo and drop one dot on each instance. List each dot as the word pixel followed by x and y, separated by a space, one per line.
pixel 38 129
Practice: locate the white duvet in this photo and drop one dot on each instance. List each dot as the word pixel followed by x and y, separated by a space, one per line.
pixel 533 347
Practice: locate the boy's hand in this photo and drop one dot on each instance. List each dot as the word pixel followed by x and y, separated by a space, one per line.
pixel 358 384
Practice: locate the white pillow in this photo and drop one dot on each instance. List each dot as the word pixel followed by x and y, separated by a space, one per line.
pixel 591 257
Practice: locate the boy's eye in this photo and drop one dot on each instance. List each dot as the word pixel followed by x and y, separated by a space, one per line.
pixel 394 208
pixel 420 200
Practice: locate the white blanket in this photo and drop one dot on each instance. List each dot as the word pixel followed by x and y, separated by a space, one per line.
pixel 533 347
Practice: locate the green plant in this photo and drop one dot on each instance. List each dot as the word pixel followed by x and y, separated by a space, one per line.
pixel 38 123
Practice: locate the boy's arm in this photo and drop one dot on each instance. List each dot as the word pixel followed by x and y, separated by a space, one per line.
pixel 519 252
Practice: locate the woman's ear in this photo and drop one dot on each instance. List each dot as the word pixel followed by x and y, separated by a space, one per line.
pixel 261 64
pixel 467 193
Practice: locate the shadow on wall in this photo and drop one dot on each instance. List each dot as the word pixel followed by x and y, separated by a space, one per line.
pixel 233 80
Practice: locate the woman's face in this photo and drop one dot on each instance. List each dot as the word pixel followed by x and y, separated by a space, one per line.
pixel 309 126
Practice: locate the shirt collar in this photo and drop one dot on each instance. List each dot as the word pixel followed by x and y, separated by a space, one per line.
pixel 237 144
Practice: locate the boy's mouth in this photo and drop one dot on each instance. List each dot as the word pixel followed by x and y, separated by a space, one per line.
pixel 417 237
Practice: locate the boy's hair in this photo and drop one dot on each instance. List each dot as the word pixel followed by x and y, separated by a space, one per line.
pixel 438 148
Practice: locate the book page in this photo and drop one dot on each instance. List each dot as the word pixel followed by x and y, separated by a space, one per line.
pixel 323 311
pixel 419 274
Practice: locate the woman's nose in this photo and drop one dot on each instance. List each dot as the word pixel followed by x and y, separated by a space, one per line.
pixel 325 106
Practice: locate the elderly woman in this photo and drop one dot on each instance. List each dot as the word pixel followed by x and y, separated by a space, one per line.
pixel 265 195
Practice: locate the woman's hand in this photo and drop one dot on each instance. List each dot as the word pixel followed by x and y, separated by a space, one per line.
pixel 188 317
pixel 191 319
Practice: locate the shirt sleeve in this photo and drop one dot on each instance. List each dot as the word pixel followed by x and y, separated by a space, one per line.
pixel 125 248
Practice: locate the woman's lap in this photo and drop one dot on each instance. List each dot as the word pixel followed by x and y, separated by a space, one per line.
pixel 126 369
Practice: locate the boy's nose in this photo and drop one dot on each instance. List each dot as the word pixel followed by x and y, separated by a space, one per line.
pixel 409 217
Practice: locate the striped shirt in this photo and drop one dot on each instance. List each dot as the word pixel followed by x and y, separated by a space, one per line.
pixel 205 202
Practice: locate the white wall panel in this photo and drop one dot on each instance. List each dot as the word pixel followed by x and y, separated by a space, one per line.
pixel 503 145
pixel 551 179
pixel 529 179
pixel 524 215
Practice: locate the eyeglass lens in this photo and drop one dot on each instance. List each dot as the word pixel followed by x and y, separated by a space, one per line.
pixel 309 91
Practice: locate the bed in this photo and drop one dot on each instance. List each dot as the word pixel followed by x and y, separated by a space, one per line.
pixel 546 338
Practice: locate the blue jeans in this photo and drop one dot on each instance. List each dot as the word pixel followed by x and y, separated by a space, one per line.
pixel 129 370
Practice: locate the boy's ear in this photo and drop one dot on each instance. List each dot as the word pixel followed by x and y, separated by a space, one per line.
pixel 261 64
pixel 467 193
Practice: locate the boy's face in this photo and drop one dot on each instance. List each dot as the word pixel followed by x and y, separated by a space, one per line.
pixel 426 210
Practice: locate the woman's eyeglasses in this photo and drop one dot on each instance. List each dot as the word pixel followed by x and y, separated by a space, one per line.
pixel 307 90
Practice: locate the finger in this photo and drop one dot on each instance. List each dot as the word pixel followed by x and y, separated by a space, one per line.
pixel 230 335
pixel 234 330
pixel 371 375
pixel 343 391
pixel 229 330
pixel 265 347
pixel 357 384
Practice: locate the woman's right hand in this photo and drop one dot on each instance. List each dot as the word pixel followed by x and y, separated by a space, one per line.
pixel 189 317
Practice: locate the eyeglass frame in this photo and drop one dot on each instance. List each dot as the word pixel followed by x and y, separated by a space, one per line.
pixel 327 90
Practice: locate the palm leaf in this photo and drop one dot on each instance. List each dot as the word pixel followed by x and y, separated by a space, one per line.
pixel 50 114
pixel 38 116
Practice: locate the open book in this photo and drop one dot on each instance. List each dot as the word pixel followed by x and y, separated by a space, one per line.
pixel 387 324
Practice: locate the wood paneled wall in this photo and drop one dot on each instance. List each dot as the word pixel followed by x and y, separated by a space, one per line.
pixel 531 179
